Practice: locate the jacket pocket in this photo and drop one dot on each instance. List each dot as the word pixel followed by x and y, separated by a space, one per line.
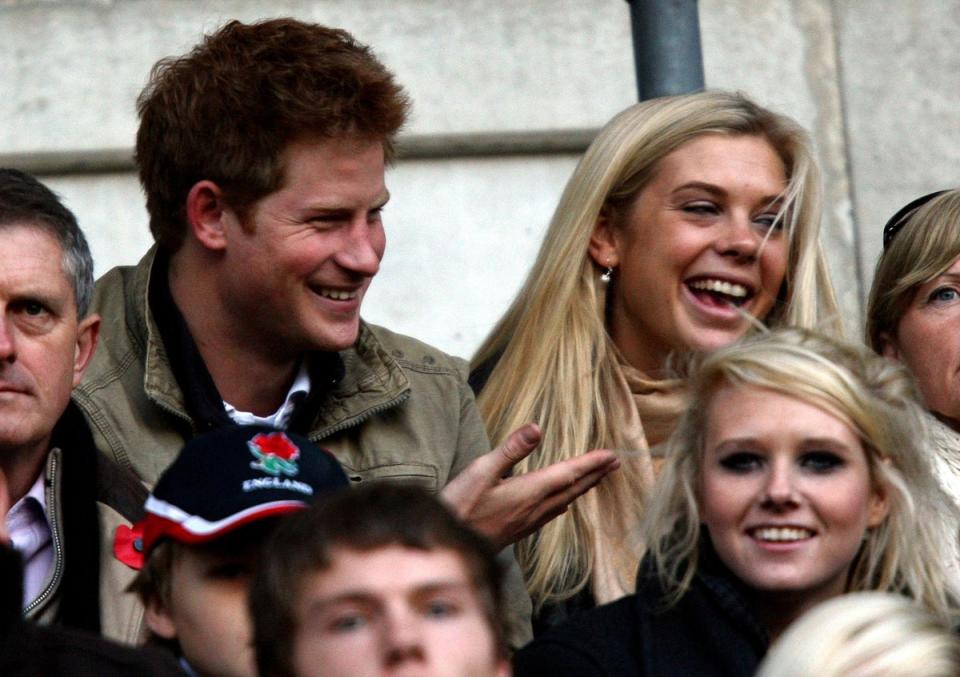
pixel 416 474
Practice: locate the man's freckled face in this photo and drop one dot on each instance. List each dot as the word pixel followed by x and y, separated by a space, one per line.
pixel 299 264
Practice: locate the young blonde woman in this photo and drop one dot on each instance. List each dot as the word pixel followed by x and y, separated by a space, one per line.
pixel 797 475
pixel 687 217
pixel 913 315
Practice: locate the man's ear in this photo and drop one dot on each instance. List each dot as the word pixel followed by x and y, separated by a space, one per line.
pixel 207 212
pixel 158 618
pixel 88 331
pixel 603 244
pixel 888 347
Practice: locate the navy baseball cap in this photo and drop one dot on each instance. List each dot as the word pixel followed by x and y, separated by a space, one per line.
pixel 233 476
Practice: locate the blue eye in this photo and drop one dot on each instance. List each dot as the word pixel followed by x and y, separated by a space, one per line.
pixel 348 623
pixel 821 461
pixel 769 221
pixel 943 295
pixel 440 609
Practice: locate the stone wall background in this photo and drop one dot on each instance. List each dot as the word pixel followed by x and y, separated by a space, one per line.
pixel 506 95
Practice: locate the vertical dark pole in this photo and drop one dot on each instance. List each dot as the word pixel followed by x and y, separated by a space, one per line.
pixel 666 47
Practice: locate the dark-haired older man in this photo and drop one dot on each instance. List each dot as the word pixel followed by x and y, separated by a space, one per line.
pixel 66 496
pixel 262 154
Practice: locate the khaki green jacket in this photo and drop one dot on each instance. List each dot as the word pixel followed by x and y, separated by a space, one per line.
pixel 402 412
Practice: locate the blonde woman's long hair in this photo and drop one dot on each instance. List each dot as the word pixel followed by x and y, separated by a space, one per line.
pixel 906 553
pixel 556 363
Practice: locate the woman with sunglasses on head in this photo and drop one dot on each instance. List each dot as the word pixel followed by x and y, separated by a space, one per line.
pixel 796 475
pixel 688 219
pixel 913 315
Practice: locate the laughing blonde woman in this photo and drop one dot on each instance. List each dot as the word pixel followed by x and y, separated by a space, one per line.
pixel 688 220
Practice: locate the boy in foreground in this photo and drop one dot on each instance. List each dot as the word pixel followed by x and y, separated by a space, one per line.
pixel 380 580
pixel 207 519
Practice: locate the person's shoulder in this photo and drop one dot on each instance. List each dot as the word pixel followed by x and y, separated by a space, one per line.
pixel 112 289
pixel 412 354
pixel 600 641
pixel 64 651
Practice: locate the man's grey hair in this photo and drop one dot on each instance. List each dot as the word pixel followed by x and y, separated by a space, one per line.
pixel 24 201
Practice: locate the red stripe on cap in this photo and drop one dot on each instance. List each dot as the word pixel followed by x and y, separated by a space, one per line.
pixel 156 527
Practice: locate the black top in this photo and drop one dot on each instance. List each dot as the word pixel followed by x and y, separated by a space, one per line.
pixel 710 631
pixel 28 650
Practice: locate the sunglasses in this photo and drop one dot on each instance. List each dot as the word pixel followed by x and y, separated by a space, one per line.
pixel 902 217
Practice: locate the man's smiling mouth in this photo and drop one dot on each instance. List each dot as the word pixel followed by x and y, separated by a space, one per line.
pixel 335 294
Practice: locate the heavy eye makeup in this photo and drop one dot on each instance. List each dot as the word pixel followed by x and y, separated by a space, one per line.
pixel 821 462
pixel 817 459
pixel 740 462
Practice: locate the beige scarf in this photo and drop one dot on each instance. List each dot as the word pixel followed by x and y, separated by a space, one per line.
pixel 658 404
pixel 648 411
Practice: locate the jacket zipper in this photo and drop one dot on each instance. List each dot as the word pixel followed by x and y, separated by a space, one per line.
pixel 55 537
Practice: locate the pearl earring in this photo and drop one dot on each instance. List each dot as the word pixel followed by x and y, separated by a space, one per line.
pixel 607 275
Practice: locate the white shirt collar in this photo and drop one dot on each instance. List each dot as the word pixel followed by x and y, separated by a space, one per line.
pixel 299 389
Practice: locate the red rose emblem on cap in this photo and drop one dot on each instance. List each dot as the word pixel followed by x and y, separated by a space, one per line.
pixel 276 454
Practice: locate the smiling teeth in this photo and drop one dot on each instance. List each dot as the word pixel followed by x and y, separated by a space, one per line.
pixel 721 287
pixel 337 295
pixel 782 534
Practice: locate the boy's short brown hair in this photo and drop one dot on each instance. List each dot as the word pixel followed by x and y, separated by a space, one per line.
pixel 226 111
pixel 368 518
